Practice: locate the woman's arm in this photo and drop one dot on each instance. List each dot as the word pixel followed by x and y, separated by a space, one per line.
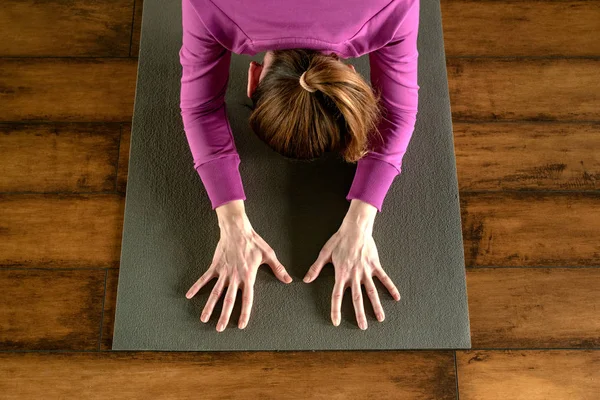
pixel 394 74
pixel 205 74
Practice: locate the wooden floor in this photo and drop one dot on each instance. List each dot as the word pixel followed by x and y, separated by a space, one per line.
pixel 524 81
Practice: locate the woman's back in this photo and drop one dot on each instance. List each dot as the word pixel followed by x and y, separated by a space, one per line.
pixel 349 28
pixel 212 30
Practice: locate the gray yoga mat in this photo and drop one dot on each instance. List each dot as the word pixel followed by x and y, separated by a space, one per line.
pixel 170 231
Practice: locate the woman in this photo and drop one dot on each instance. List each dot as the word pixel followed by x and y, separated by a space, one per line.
pixel 306 101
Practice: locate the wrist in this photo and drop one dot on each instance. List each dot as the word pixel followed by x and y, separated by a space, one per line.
pixel 360 214
pixel 231 212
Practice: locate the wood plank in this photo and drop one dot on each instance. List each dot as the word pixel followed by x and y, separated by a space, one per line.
pixel 59 157
pixel 504 28
pixel 103 89
pixel 528 375
pixel 244 375
pixel 520 28
pixel 509 307
pixel 137 28
pixel 528 228
pixel 124 150
pixel 56 230
pixel 534 307
pixel 517 89
pixel 504 155
pixel 50 309
pixel 110 306
pixel 499 229
pixel 79 157
pixel 67 89
pixel 521 155
pixel 65 28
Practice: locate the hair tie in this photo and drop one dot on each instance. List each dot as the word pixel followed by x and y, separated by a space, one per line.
pixel 304 85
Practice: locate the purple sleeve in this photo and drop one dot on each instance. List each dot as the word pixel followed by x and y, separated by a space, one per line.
pixel 205 74
pixel 394 73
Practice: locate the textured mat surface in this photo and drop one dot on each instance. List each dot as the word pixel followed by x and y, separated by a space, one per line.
pixel 170 231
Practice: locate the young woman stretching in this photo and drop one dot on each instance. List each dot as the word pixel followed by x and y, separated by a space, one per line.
pixel 307 101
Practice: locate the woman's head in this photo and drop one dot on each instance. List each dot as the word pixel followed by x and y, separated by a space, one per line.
pixel 340 115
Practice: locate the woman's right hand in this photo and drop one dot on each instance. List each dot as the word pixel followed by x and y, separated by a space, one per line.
pixel 239 253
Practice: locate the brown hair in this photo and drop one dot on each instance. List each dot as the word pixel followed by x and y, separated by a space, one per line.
pixel 339 116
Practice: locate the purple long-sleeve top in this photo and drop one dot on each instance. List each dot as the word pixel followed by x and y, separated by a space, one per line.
pixel 212 30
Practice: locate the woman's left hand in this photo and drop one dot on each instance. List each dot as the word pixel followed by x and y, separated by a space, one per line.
pixel 354 256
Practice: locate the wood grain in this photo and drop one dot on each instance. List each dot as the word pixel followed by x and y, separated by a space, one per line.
pixel 503 28
pixel 56 230
pixel 528 375
pixel 480 89
pixel 524 89
pixel 520 155
pixel 50 309
pixel 137 28
pixel 124 150
pixel 534 307
pixel 67 89
pixel 499 229
pixel 243 375
pixel 505 155
pixel 65 28
pixel 508 307
pixel 520 28
pixel 58 157
pixel 110 306
pixel 80 157
pixel 527 228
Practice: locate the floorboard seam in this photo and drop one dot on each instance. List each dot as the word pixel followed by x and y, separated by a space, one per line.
pixel 456 376
pixel 102 314
pixel 132 28
pixel 116 188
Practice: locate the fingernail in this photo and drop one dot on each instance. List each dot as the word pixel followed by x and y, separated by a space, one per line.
pixel 336 321
pixel 220 327
pixel 380 317
pixel 288 278
pixel 363 325
pixel 242 325
pixel 306 278
pixel 203 318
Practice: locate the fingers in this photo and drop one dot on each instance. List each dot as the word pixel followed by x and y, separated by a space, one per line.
pixel 206 277
pixel 278 268
pixel 213 298
pixel 336 302
pixel 357 300
pixel 270 258
pixel 247 299
pixel 315 269
pixel 374 297
pixel 228 303
pixel 387 282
